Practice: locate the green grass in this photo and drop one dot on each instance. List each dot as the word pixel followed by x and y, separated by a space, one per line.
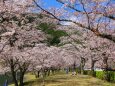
pixel 65 80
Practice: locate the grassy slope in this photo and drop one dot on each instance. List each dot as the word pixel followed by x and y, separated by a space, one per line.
pixel 66 80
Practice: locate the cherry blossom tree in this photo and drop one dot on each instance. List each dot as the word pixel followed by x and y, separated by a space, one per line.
pixel 19 39
pixel 94 47
pixel 14 43
pixel 44 57
pixel 95 16
pixel 16 61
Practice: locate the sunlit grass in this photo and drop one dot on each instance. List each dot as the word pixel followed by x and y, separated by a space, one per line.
pixel 65 80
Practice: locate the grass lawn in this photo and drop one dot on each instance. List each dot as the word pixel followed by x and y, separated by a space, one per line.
pixel 65 80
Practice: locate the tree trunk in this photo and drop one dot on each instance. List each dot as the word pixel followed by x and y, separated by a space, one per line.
pixel 43 77
pixel 22 72
pixel 38 74
pixel 74 67
pixel 14 77
pixel 82 70
pixel 52 70
pixel 82 65
pixel 48 72
pixel 93 73
pixel 13 73
pixel 21 78
pixel 106 73
pixel 67 70
pixel 45 72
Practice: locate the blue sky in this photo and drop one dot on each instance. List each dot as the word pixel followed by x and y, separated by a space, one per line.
pixel 51 3
pixel 54 3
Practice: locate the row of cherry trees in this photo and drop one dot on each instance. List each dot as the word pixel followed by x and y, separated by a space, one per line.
pixel 22 48
pixel 95 16
pixel 92 52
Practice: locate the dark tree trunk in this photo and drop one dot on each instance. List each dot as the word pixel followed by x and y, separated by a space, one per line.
pixel 38 74
pixel 106 73
pixel 52 69
pixel 93 73
pixel 14 77
pixel 22 72
pixel 48 72
pixel 13 72
pixel 74 67
pixel 43 77
pixel 22 78
pixel 69 69
pixel 82 65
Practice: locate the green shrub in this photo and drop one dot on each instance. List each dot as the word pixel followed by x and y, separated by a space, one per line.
pixel 99 74
pixel 87 72
pixel 111 75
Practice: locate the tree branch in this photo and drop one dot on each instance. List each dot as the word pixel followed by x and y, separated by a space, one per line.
pixel 94 30
pixel 75 9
